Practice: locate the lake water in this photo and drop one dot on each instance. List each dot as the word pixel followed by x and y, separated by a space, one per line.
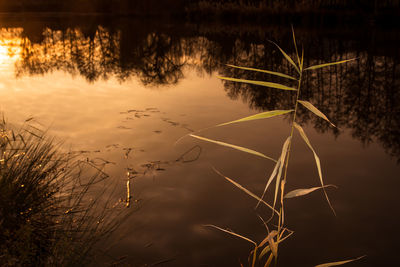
pixel 124 91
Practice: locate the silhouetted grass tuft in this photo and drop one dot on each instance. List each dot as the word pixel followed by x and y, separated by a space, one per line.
pixel 49 212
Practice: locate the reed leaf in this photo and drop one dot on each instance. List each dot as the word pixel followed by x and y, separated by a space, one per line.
pixel 232 233
pixel 304 191
pixel 247 150
pixel 271 178
pixel 263 115
pixel 254 257
pixel 317 161
pixel 287 57
pixel 295 47
pixel 264 222
pixel 302 59
pixel 264 71
pixel 273 245
pixel 272 234
pixel 282 163
pixel 268 263
pixel 314 110
pixel 261 83
pixel 338 262
pixel 329 64
pixel 245 190
pixel 268 249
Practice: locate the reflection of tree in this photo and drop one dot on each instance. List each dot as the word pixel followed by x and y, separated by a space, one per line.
pixel 72 52
pixel 160 60
pixel 156 59
pixel 362 95
pixel 372 103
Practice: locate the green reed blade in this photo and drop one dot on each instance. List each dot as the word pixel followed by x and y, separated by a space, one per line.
pixel 231 233
pixel 247 150
pixel 295 46
pixel 282 163
pixel 287 57
pixel 245 190
pixel 305 191
pixel 264 71
pixel 263 115
pixel 339 262
pixel 314 110
pixel 317 161
pixel 261 83
pixel 329 64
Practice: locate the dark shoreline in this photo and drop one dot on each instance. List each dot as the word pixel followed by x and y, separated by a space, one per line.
pixel 328 19
pixel 316 12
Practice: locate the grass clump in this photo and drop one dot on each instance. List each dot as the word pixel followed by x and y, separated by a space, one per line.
pixel 50 212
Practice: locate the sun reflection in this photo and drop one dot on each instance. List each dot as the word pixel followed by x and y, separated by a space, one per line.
pixel 10 40
pixel 3 54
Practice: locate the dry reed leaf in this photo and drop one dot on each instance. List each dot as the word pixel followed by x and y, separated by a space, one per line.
pixel 274 246
pixel 329 64
pixel 314 110
pixel 272 234
pixel 295 46
pixel 261 83
pixel 302 59
pixel 268 263
pixel 338 262
pixel 247 150
pixel 271 178
pixel 263 115
pixel 305 191
pixel 232 233
pixel 267 248
pixel 317 161
pixel 264 71
pixel 287 57
pixel 282 163
pixel 245 190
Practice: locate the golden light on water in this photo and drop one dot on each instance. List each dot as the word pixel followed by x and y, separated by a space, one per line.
pixel 67 79
pixel 10 45
pixel 3 54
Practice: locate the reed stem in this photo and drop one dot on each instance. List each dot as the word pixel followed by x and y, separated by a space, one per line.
pixel 281 214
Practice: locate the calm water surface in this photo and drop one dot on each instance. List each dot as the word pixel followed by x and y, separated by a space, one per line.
pixel 124 91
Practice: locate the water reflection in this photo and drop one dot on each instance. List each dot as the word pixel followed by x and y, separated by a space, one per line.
pixel 156 59
pixel 362 95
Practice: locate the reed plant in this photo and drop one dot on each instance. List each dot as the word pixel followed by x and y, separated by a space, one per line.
pixel 265 253
pixel 51 214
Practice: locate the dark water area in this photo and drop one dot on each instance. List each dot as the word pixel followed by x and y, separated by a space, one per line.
pixel 108 85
